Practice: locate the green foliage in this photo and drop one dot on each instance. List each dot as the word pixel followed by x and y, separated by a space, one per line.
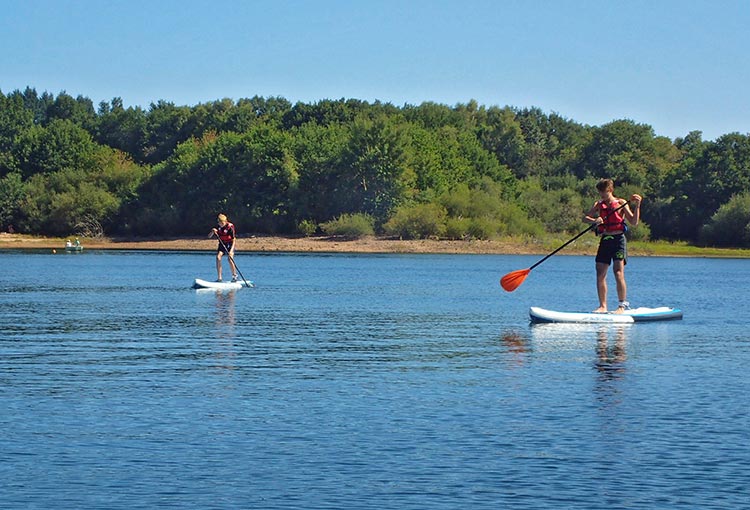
pixel 485 228
pixel 249 177
pixel 350 225
pixel 418 221
pixel 457 228
pixel 12 191
pixel 319 152
pixel 374 173
pixel 271 166
pixel 15 119
pixel 307 228
pixel 482 213
pixel 558 209
pixel 640 233
pixel 730 225
pixel 57 202
pixel 60 146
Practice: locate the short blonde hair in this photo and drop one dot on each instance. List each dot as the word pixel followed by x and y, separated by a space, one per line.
pixel 222 217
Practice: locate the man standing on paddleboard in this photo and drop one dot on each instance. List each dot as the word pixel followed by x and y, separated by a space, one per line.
pixel 609 214
pixel 226 234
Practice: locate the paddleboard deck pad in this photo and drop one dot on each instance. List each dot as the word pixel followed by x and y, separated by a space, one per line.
pixel 641 314
pixel 205 284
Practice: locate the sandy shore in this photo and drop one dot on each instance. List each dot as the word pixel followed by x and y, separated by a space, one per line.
pixel 286 244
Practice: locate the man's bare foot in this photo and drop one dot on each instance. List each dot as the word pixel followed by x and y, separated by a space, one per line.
pixel 620 309
pixel 601 309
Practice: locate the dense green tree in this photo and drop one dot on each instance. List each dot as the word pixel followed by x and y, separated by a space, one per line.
pixel 730 225
pixel 61 145
pixel 374 174
pixel 12 192
pixel 720 170
pixel 166 127
pixel 36 104
pixel 79 110
pixel 15 120
pixel 502 135
pixel 248 176
pixel 432 116
pixel 319 152
pixel 324 112
pixel 559 209
pixel 670 211
pixel 121 128
pixel 619 150
pixel 445 157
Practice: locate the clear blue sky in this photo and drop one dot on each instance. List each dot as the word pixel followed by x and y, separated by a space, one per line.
pixel 676 65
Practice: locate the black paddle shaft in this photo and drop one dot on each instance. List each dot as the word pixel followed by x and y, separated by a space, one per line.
pixel 579 235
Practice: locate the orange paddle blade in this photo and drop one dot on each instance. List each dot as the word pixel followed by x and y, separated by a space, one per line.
pixel 512 280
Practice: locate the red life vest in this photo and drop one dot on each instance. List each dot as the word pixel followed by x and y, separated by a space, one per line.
pixel 613 221
pixel 226 233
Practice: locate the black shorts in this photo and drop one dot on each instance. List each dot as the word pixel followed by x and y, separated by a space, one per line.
pixel 221 249
pixel 612 247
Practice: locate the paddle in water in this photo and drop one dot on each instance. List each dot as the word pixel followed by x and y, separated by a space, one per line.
pixel 514 279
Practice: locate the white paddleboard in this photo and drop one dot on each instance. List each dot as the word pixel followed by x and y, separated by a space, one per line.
pixel 641 314
pixel 205 284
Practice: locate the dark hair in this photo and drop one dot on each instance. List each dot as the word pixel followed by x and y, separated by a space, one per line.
pixel 605 185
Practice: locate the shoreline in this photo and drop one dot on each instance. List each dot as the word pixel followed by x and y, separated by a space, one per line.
pixel 372 244
pixel 273 244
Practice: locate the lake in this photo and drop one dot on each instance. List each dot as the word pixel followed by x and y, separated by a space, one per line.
pixel 368 382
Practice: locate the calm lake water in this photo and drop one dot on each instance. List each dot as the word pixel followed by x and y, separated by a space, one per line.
pixel 368 382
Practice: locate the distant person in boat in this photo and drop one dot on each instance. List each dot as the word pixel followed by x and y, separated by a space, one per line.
pixel 227 235
pixel 611 227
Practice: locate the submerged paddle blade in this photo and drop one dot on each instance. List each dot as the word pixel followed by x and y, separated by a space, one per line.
pixel 511 281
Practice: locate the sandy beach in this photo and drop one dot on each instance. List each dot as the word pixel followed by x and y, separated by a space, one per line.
pixel 261 243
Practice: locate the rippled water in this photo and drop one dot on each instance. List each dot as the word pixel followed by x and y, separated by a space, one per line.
pixel 367 381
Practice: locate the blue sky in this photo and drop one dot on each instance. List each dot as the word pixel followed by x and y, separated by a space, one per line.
pixel 678 66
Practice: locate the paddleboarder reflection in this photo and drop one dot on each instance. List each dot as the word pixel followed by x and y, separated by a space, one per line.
pixel 224 348
pixel 611 356
pixel 225 314
pixel 517 344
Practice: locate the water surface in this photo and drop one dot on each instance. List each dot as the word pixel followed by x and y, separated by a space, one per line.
pixel 367 381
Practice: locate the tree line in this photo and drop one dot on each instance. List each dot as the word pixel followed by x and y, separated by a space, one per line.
pixel 348 166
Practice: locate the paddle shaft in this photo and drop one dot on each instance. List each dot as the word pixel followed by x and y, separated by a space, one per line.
pixel 232 259
pixel 594 225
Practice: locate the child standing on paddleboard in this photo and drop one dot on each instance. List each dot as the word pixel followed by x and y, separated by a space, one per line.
pixel 226 234
pixel 609 215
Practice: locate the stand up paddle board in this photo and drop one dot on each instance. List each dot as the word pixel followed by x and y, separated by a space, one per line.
pixel 205 284
pixel 641 314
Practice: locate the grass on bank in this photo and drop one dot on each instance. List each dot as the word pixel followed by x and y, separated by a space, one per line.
pixel 683 249
pixel 587 245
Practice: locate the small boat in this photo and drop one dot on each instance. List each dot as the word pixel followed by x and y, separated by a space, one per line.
pixel 73 246
pixel 641 314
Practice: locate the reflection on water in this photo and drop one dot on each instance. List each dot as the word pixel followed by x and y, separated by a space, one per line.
pixel 610 366
pixel 611 354
pixel 517 343
pixel 225 320
pixel 605 346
